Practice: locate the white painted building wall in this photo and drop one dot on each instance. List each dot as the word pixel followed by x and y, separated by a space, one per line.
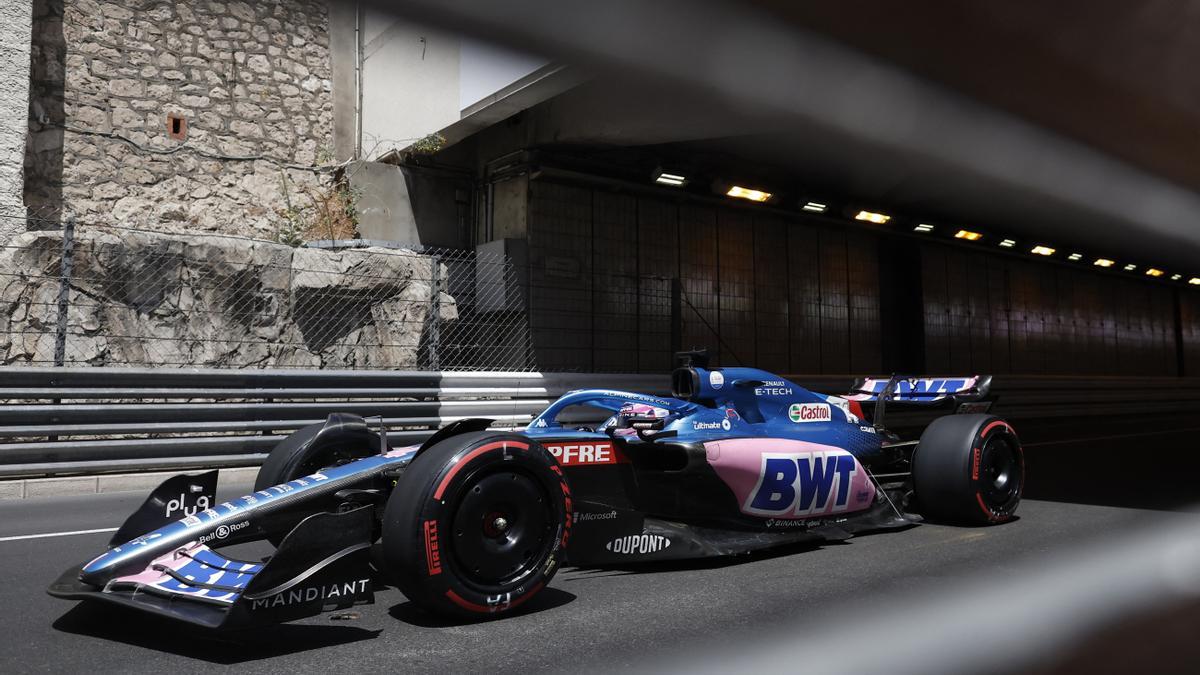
pixel 15 27
pixel 410 82
pixel 485 69
pixel 417 80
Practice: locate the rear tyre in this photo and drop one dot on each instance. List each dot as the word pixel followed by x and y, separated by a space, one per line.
pixel 477 524
pixel 969 469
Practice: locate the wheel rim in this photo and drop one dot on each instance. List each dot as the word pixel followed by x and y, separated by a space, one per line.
pixel 502 527
pixel 999 472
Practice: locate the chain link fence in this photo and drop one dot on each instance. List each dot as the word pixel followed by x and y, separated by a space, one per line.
pixel 105 295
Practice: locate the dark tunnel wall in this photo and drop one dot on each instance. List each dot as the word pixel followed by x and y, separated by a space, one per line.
pixel 993 313
pixel 619 281
pixel 753 289
pixel 1189 333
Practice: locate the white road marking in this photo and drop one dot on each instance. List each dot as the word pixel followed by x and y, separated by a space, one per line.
pixel 57 534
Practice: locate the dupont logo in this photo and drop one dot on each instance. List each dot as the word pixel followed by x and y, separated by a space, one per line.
pixel 585 454
pixel 638 543
pixel 810 412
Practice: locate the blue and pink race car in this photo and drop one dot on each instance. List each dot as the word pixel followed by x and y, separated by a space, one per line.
pixel 474 522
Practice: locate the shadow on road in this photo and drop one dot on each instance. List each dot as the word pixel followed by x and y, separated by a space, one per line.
pixel 1152 471
pixel 117 624
pixel 546 599
pixel 621 569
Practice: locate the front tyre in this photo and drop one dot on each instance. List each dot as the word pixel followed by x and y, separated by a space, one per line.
pixel 477 524
pixel 338 440
pixel 969 469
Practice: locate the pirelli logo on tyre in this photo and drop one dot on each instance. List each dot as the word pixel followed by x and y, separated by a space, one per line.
pixel 585 453
pixel 433 556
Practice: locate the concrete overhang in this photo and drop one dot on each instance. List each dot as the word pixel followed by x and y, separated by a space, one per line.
pixel 541 85
pixel 765 86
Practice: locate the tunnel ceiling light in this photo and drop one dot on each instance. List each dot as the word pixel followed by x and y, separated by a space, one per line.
pixel 815 207
pixel 672 179
pixel 1176 277
pixel 1130 267
pixel 1042 250
pixel 1195 281
pixel 1103 262
pixel 1008 243
pixel 872 217
pixel 1152 272
pixel 923 227
pixel 1075 257
pixel 968 235
pixel 748 193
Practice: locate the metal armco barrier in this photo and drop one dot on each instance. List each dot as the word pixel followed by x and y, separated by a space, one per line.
pixel 58 421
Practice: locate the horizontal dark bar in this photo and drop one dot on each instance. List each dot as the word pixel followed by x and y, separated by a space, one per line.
pixel 21 377
pixel 101 429
pixel 70 393
pixel 150 448
pixel 129 465
pixel 136 413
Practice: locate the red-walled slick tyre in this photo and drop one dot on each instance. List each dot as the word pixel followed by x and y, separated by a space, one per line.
pixel 969 469
pixel 476 525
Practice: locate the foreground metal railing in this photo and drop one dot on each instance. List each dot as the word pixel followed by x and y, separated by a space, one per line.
pixel 58 421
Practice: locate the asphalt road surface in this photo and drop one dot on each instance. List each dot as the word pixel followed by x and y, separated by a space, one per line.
pixel 588 619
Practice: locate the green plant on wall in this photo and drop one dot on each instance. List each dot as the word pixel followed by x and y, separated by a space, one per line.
pixel 428 145
pixel 291 226
pixel 330 211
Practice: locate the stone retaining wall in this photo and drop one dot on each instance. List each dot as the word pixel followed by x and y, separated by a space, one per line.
pixel 248 79
pixel 15 16
pixel 141 298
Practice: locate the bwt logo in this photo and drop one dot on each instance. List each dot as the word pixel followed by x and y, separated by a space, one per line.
pixel 803 483
pixel 924 386
pixel 584 454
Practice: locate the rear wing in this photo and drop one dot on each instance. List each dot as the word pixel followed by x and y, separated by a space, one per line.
pixel 966 394
pixel 921 390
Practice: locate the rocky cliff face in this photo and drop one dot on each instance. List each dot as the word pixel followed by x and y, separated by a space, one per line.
pixel 178 115
pixel 141 298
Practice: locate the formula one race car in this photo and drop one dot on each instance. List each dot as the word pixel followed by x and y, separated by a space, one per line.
pixel 474 522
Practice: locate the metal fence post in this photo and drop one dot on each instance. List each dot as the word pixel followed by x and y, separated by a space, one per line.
pixel 64 290
pixel 435 294
pixel 676 316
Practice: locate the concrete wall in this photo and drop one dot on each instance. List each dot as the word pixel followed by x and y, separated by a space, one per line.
pixel 757 289
pixel 343 48
pixel 485 69
pixel 803 295
pixel 252 80
pixel 15 25
pixel 989 313
pixel 410 82
pixel 416 80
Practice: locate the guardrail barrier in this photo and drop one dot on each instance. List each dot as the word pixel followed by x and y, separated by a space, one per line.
pixel 59 421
